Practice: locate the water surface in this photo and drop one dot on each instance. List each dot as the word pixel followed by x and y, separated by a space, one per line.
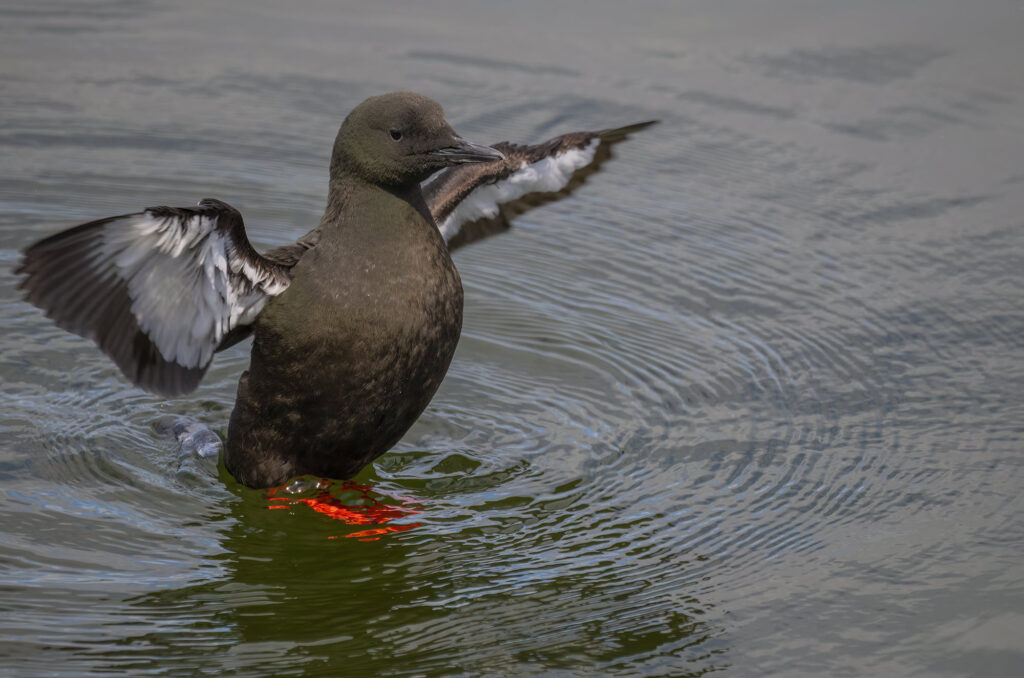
pixel 750 400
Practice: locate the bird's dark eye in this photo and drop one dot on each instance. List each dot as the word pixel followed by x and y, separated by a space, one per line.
pixel 395 134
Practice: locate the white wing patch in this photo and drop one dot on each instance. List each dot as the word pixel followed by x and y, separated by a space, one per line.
pixel 188 284
pixel 547 175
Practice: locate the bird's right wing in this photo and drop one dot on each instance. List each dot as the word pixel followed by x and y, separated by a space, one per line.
pixel 159 291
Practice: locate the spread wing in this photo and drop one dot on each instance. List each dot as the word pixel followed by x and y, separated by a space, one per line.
pixel 162 290
pixel 473 201
pixel 159 291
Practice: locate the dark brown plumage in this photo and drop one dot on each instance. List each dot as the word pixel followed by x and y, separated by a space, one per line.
pixel 354 324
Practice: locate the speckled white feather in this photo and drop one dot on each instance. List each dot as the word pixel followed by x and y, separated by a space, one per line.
pixel 547 175
pixel 189 286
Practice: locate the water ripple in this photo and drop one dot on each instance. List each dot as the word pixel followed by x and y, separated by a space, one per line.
pixel 750 398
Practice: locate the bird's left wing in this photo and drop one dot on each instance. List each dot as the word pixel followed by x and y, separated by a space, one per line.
pixel 158 291
pixel 473 201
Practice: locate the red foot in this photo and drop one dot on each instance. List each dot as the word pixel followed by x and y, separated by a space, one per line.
pixel 373 513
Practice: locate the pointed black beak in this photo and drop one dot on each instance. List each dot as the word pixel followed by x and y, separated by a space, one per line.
pixel 461 151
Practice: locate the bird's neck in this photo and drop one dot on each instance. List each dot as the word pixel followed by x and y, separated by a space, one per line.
pixel 355 204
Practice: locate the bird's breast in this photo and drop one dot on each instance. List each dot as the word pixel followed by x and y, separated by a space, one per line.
pixel 371 326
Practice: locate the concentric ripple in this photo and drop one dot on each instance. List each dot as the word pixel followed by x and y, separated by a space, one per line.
pixel 749 399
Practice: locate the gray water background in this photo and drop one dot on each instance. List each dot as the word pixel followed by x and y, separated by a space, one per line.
pixel 751 400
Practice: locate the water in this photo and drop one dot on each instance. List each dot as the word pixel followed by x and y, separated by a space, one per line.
pixel 749 401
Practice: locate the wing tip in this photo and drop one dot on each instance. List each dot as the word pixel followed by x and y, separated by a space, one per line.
pixel 620 133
